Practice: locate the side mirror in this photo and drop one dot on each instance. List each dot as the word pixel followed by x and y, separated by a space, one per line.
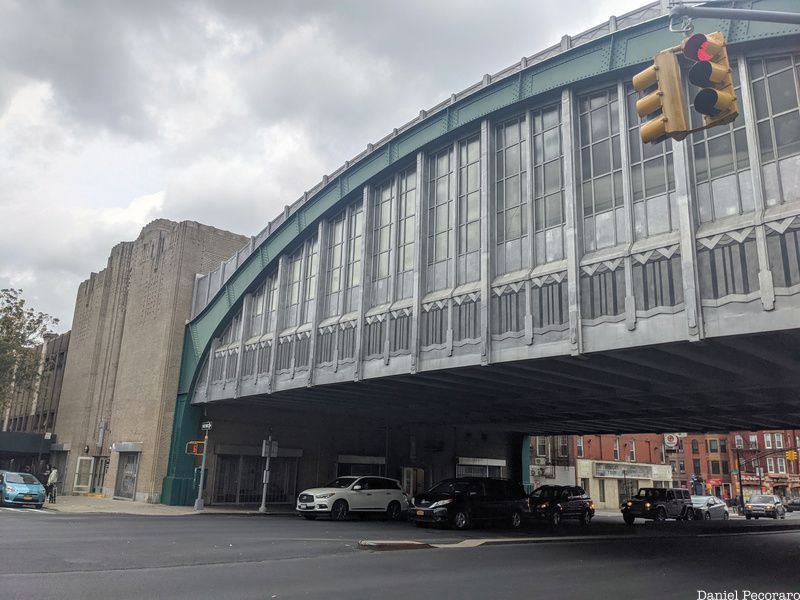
pixel 356 488
pixel 473 493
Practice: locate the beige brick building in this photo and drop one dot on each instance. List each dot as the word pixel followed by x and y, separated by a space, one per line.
pixel 118 395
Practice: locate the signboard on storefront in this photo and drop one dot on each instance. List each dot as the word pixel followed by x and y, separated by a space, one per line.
pixel 622 470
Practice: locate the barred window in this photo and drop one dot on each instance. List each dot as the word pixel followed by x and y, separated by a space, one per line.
pixel 601 170
pixel 271 302
pixel 218 366
pixel 406 233
pixel 440 212
pixel 550 305
pixel 548 184
pixel 257 317
pixel 511 196
pixel 776 86
pixel 302 346
pixel 721 165
pixel 311 266
pixel 249 360
pixel 374 333
pixel 231 364
pixel 324 349
pixel 652 176
pixel 467 317
pixel 434 326
pixel 400 332
pixel 603 293
pixel 469 209
pixel 264 358
pixel 284 358
pixel 347 341
pixel 784 257
pixel 729 268
pixel 658 283
pixel 508 312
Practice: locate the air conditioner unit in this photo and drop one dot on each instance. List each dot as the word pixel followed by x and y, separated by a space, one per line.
pixel 540 460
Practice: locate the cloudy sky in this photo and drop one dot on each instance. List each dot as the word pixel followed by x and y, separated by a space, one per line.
pixel 114 113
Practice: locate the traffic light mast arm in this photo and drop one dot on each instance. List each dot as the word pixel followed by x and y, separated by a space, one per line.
pixel 739 14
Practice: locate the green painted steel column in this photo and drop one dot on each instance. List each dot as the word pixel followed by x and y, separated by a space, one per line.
pixel 178 487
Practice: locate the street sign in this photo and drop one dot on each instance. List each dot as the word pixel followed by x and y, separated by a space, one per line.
pixel 274 450
pixel 195 448
pixel 205 425
pixel 48 435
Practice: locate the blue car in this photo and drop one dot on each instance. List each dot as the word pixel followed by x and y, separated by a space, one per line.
pixel 20 489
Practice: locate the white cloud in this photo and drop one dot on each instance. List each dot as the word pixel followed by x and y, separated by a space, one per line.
pixel 115 113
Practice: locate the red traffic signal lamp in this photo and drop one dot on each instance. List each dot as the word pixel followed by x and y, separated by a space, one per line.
pixel 716 100
pixel 665 104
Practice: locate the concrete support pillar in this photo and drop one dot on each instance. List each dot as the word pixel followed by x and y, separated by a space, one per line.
pixel 487 241
pixel 630 298
pixel 685 201
pixel 420 261
pixel 319 308
pixel 366 277
pixel 747 108
pixel 279 320
pixel 572 224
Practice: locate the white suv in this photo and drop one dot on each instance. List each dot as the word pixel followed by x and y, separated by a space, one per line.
pixel 344 495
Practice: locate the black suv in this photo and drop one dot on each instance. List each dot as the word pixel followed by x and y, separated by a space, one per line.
pixel 463 501
pixel 552 503
pixel 659 504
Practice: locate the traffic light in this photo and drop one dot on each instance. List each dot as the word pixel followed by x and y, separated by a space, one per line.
pixel 791 455
pixel 665 105
pixel 716 100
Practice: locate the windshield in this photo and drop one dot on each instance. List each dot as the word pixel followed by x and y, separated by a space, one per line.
pixel 700 500
pixel 342 482
pixel 546 492
pixel 650 494
pixel 762 500
pixel 21 478
pixel 450 487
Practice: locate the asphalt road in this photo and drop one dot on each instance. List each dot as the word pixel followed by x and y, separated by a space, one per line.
pixel 46 555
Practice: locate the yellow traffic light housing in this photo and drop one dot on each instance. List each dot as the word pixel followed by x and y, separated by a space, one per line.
pixel 665 104
pixel 791 455
pixel 716 100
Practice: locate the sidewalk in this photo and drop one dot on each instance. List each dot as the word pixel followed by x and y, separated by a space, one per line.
pixel 92 504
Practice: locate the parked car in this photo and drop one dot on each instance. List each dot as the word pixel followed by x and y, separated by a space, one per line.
pixel 553 503
pixel 20 489
pixel 345 495
pixel 764 506
pixel 464 501
pixel 792 504
pixel 659 504
pixel 709 507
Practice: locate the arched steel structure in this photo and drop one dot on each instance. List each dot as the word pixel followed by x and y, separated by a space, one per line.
pixel 521 219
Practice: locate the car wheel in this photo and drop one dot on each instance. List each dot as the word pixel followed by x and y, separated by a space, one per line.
pixel 707 516
pixel 756 518
pixel 586 518
pixel 689 516
pixel 394 511
pixel 39 506
pixel 661 515
pixel 339 511
pixel 460 519
pixel 516 520
pixel 629 519
pixel 747 517
pixel 555 518
pixel 725 516
pixel 310 517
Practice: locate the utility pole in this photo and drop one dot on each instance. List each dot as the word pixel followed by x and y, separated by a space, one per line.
pixel 739 466
pixel 268 453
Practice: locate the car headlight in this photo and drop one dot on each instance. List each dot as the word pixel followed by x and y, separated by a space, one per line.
pixel 646 505
pixel 629 504
pixel 326 495
pixel 749 506
pixel 441 503
pixel 544 505
pixel 770 508
pixel 11 488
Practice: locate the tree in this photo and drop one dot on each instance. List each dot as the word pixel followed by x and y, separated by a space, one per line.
pixel 22 329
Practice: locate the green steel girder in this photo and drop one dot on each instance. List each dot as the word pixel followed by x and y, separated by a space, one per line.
pixel 605 55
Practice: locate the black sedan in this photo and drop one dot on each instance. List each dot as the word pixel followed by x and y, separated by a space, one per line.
pixel 464 501
pixel 554 503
